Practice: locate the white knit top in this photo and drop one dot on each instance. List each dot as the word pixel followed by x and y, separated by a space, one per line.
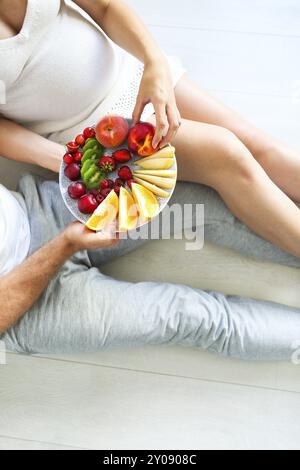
pixel 57 68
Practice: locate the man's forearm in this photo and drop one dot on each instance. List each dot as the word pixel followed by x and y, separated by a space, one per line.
pixel 20 144
pixel 23 286
pixel 124 27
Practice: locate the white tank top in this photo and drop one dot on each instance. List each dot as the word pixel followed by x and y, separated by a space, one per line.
pixel 57 68
pixel 14 232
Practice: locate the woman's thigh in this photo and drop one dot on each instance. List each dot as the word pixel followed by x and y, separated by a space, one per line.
pixel 206 153
pixel 196 104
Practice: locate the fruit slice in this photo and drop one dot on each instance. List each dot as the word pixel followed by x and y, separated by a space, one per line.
pixel 146 201
pixel 128 214
pixel 106 212
pixel 166 183
pixel 156 163
pixel 154 189
pixel 166 152
pixel 163 173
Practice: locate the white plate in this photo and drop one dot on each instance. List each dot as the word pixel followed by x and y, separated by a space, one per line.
pixel 71 204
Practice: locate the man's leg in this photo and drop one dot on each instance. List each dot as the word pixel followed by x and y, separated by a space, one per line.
pixel 84 311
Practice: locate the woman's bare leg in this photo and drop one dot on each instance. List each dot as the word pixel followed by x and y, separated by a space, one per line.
pixel 214 156
pixel 280 162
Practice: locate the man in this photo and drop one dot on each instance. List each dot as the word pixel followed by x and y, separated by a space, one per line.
pixel 57 300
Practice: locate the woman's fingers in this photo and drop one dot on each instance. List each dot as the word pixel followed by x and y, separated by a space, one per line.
pixel 138 109
pixel 173 122
pixel 162 124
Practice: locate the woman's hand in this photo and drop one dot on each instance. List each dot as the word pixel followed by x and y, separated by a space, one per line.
pixel 157 87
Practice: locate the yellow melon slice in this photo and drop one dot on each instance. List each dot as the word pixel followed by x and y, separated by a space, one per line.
pixel 156 163
pixel 166 152
pixel 154 189
pixel 162 173
pixel 166 183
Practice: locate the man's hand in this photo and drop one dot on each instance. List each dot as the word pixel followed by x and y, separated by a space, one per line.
pixel 81 238
pixel 22 286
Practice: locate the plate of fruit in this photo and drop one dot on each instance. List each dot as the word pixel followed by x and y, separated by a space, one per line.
pixel 112 172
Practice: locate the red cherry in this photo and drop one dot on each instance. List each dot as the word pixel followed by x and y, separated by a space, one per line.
pixel 99 198
pixel 105 192
pixel 95 192
pixel 104 184
pixel 87 204
pixel 89 132
pixel 72 147
pixel 76 190
pixel 72 171
pixel 111 183
pixel 119 182
pixel 80 140
pixel 68 158
pixel 117 189
pixel 129 183
pixel 78 156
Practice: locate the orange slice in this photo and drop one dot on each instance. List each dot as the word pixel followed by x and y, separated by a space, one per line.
pixel 146 201
pixel 106 212
pixel 128 214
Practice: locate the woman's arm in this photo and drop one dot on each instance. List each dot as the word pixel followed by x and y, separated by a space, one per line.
pixel 20 144
pixel 127 30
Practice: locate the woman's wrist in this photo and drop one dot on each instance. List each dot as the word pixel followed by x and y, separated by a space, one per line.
pixel 155 58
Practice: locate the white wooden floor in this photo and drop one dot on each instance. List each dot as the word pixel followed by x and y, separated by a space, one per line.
pixel 247 53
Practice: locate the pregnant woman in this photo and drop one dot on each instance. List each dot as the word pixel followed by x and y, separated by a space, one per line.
pixel 61 70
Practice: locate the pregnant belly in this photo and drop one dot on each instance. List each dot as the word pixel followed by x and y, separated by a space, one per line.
pixel 72 68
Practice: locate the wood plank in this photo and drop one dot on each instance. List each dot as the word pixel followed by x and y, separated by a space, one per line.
pixel 257 16
pixel 196 364
pixel 9 443
pixel 101 408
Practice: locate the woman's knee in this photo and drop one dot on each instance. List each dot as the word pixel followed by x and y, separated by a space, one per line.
pixel 232 160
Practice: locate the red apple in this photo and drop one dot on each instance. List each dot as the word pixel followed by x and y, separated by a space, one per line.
pixel 140 139
pixel 111 131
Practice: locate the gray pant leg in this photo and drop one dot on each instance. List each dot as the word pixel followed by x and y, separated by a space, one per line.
pixel 220 227
pixel 83 310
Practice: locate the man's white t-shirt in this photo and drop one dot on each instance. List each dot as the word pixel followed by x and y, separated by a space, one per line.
pixel 14 232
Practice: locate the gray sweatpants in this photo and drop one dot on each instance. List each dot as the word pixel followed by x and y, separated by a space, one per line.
pixel 84 310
